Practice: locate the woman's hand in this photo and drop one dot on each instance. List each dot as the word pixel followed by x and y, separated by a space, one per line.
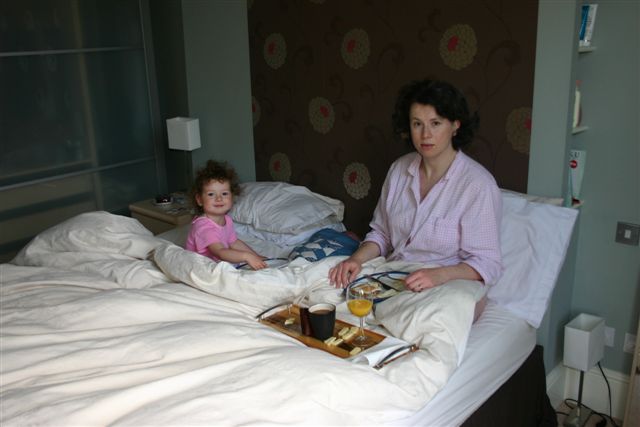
pixel 347 271
pixel 427 278
pixel 344 273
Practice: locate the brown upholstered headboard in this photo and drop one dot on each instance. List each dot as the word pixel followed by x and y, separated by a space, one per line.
pixel 325 74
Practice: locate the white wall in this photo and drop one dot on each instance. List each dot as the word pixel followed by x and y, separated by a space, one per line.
pixel 550 138
pixel 216 39
pixel 607 275
pixel 602 277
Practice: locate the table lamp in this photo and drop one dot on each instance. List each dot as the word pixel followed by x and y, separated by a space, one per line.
pixel 583 348
pixel 184 134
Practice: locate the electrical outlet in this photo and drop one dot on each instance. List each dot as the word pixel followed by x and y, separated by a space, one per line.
pixel 629 343
pixel 609 336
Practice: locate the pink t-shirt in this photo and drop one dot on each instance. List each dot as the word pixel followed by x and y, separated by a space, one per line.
pixel 458 221
pixel 205 231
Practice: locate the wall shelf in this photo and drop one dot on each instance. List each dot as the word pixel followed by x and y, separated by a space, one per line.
pixel 579 129
pixel 586 49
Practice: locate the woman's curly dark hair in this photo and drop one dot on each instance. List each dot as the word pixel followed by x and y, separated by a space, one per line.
pixel 213 170
pixel 448 102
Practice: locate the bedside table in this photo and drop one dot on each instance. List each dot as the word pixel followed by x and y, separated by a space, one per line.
pixel 159 219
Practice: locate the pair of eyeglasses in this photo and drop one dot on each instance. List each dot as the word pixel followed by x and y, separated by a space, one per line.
pixel 388 280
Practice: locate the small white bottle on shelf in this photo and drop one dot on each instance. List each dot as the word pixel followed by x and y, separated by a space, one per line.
pixel 577 109
pixel 577 159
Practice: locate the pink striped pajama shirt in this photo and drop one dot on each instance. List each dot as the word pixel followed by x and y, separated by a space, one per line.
pixel 458 221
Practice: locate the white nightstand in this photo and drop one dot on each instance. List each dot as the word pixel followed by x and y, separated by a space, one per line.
pixel 159 219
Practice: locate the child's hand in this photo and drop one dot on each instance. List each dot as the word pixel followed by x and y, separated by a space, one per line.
pixel 256 261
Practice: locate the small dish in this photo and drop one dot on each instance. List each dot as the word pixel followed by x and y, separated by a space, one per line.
pixel 382 285
pixel 163 205
pixel 163 200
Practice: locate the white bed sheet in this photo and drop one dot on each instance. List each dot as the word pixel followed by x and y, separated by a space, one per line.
pixel 96 331
pixel 78 272
pixel 499 342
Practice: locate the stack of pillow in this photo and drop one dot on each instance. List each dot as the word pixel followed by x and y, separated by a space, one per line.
pixel 284 214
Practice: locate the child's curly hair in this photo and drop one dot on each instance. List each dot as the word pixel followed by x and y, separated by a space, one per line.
pixel 213 170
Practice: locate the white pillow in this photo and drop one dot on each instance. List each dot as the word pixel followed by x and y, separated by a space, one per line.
pixel 100 232
pixel 534 239
pixel 279 207
pixel 286 239
pixel 438 319
pixel 556 201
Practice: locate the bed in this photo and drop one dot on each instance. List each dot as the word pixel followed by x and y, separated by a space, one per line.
pixel 103 323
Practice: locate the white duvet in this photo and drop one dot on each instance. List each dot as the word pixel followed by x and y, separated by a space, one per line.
pixel 102 323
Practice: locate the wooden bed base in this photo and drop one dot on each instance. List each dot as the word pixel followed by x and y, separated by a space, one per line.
pixel 521 401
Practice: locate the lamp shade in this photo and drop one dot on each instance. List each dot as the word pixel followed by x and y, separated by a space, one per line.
pixel 583 342
pixel 183 133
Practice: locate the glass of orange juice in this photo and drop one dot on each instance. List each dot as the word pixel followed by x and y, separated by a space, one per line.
pixel 360 303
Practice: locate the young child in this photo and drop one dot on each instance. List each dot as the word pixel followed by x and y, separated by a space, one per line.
pixel 212 233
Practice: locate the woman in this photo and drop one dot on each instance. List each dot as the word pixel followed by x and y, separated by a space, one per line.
pixel 437 206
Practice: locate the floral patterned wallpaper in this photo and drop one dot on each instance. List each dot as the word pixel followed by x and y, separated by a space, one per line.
pixel 325 74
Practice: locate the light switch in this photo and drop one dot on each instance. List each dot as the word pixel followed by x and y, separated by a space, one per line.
pixel 627 233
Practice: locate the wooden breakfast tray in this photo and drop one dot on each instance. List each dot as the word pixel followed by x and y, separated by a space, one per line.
pixel 277 321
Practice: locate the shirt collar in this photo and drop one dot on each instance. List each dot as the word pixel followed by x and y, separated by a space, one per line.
pixel 455 165
pixel 458 160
